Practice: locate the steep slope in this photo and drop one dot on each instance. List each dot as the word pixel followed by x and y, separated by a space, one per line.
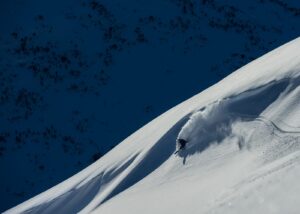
pixel 243 136
pixel 67 66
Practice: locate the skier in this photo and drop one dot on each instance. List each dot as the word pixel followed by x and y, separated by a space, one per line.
pixel 181 144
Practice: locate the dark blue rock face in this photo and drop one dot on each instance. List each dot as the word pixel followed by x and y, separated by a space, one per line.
pixel 77 77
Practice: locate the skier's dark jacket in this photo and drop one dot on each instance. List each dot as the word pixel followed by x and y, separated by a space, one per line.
pixel 182 143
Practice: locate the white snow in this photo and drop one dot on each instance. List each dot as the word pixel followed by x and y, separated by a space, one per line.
pixel 242 155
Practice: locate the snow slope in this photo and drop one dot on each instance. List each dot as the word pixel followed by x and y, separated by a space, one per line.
pixel 66 68
pixel 243 152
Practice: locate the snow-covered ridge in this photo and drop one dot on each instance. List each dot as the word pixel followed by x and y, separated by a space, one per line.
pixel 243 134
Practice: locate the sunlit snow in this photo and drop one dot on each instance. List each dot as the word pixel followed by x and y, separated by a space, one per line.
pixel 242 153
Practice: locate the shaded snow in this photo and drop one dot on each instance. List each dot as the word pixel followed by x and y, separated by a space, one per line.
pixel 242 155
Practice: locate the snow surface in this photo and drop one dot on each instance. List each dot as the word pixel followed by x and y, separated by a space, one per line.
pixel 242 155
pixel 77 77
